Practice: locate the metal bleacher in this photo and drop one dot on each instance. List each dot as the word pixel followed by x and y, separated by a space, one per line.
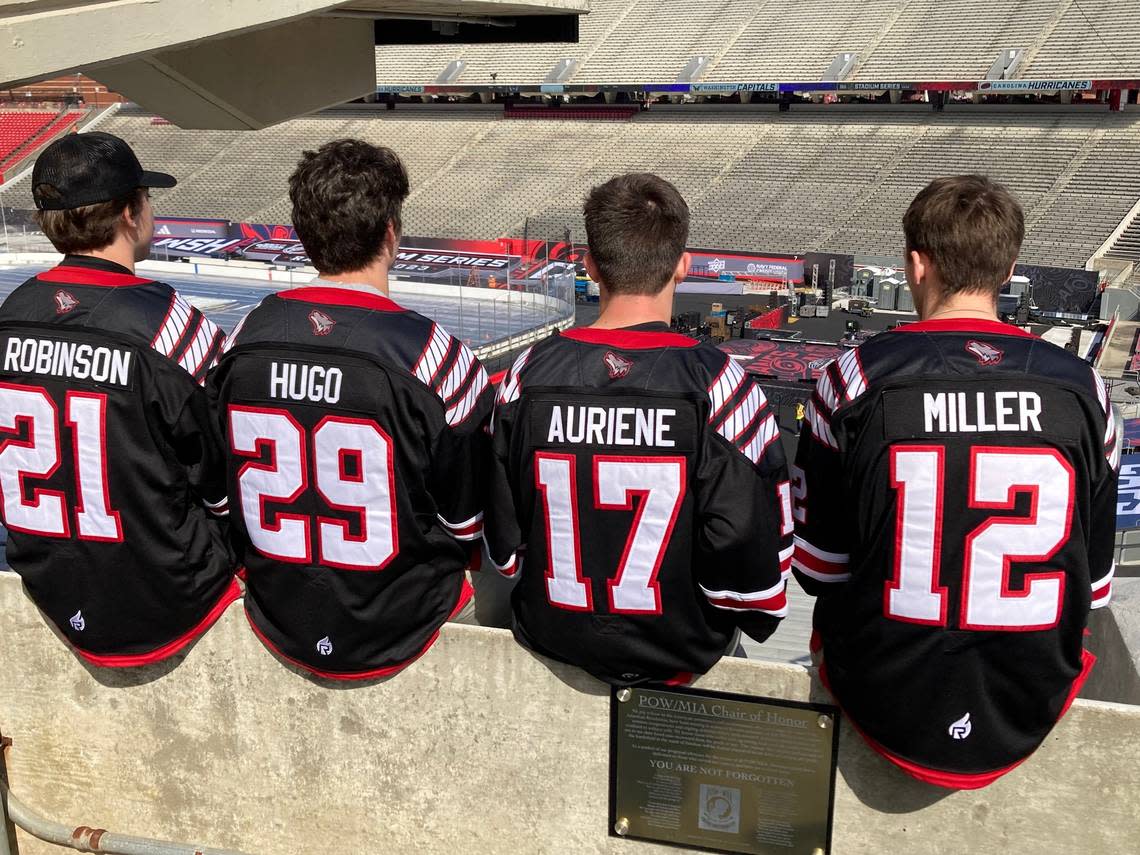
pixel 823 178
pixel 647 41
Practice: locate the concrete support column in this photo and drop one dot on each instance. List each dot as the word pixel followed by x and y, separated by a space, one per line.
pixel 252 80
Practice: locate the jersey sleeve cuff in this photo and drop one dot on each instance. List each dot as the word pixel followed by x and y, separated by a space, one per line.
pixel 1102 589
pixel 471 529
pixel 819 564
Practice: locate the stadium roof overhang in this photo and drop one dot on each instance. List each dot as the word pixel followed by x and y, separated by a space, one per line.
pixel 242 64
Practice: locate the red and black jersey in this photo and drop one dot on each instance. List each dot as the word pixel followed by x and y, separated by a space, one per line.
pixel 112 474
pixel 955 507
pixel 358 447
pixel 643 475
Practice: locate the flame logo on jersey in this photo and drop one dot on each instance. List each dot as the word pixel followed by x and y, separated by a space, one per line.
pixel 961 728
pixel 322 323
pixel 986 354
pixel 618 366
pixel 64 302
pixel 77 621
pixel 324 646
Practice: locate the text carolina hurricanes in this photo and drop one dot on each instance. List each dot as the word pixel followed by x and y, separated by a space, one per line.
pixel 610 426
pixel 67 359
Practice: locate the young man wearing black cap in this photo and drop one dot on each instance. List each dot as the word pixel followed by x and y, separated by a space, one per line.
pixel 112 480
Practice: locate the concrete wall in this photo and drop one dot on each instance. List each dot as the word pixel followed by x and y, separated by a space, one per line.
pixel 479 747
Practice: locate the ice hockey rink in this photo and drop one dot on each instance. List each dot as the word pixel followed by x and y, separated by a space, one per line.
pixel 227 300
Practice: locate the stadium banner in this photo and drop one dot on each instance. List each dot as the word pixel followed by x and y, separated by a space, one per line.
pixel 185 227
pixel 1035 85
pixel 1067 291
pixel 734 87
pixel 816 86
pixel 1128 493
pixel 747 267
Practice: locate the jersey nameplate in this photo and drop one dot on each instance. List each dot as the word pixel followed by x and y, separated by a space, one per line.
pixel 52 357
pixel 663 426
pixel 968 413
pixel 294 381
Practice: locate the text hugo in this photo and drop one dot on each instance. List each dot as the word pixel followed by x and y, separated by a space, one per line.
pixel 305 382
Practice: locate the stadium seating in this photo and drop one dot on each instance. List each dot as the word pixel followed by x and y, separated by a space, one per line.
pixel 641 41
pixel 22 132
pixel 828 178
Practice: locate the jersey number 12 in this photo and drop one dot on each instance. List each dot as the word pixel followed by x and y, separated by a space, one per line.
pixel 988 602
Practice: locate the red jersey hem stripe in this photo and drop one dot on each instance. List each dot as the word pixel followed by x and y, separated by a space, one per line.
pixel 233 592
pixel 956 780
pixel 465 595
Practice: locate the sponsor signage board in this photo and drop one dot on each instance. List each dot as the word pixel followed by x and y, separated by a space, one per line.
pixel 1034 85
pixel 1128 493
pixel 726 773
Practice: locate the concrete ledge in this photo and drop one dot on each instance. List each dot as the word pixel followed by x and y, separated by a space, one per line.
pixel 479 747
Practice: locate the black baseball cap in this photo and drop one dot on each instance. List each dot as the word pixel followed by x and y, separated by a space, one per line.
pixel 85 169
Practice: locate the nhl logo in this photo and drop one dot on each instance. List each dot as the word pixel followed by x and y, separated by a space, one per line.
pixel 618 366
pixel 322 323
pixel 986 354
pixel 64 302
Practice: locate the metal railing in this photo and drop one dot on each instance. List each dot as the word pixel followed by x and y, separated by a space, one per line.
pixel 85 838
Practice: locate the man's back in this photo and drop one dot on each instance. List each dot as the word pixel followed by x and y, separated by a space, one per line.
pixel 357 443
pixel 643 473
pixel 954 515
pixel 108 467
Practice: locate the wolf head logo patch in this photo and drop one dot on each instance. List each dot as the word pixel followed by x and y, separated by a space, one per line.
pixel 322 323
pixel 618 366
pixel 64 302
pixel 986 354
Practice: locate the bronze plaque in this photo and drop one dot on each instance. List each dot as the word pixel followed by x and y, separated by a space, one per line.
pixel 722 772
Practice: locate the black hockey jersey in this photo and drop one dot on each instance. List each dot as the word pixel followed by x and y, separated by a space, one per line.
pixel 954 496
pixel 111 473
pixel 358 449
pixel 644 475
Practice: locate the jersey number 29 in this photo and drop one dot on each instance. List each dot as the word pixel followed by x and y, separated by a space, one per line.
pixel 352 471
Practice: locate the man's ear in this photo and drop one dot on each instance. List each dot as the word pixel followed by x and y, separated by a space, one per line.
pixel 684 265
pixel 391 241
pixel 592 268
pixel 920 266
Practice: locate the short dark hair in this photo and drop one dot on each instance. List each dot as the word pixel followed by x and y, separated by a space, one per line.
pixel 88 228
pixel 344 195
pixel 637 226
pixel 972 229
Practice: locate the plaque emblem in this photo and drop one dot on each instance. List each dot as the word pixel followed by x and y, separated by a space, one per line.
pixel 720 809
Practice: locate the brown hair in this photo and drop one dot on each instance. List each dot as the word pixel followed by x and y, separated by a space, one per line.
pixel 972 229
pixel 344 196
pixel 637 226
pixel 90 227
